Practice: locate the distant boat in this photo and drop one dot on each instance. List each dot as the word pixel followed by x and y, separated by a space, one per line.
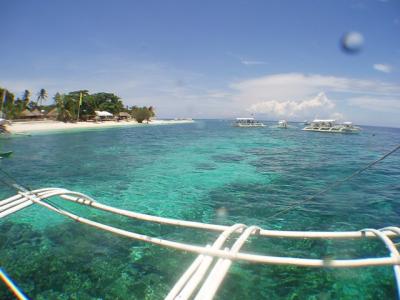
pixel 332 127
pixel 183 119
pixel 247 122
pixel 282 124
pixel 5 154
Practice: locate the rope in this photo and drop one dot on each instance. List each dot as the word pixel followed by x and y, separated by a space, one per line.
pixel 21 188
pixel 335 184
pixel 14 185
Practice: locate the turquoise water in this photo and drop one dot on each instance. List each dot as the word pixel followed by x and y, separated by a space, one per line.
pixel 192 171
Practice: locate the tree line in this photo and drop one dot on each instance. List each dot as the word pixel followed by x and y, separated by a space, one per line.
pixel 70 107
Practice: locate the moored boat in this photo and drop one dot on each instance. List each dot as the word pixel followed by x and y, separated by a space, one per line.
pixel 331 126
pixel 248 122
pixel 282 124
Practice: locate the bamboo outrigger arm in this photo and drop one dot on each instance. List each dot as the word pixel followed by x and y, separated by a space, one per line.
pixel 213 261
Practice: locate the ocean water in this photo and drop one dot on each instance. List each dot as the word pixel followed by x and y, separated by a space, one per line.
pixel 193 172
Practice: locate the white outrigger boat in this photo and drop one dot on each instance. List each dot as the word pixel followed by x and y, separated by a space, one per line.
pixel 248 122
pixel 282 124
pixel 331 126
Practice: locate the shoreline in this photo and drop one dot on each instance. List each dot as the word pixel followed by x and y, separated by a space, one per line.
pixel 49 125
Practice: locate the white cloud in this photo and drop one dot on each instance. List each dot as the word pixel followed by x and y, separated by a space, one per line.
pixel 292 95
pixel 376 104
pixel 252 62
pixel 383 68
pixel 319 106
pixel 246 61
pixel 299 86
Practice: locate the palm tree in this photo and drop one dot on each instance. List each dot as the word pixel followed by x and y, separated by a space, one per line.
pixel 151 109
pixel 42 96
pixel 60 104
pixel 26 98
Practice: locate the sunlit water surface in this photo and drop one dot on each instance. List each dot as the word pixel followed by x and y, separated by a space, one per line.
pixel 193 172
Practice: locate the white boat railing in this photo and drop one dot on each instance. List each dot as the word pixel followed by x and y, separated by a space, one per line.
pixel 208 270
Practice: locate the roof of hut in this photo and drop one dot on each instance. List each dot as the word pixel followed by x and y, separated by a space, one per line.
pixel 36 113
pixel 124 114
pixel 26 113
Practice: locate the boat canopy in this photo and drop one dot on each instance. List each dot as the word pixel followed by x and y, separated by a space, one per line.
pixel 326 121
pixel 244 119
pixel 100 113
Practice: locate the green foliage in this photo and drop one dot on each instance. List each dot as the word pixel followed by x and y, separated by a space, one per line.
pixel 108 102
pixel 69 104
pixel 42 96
pixel 143 113
pixel 65 107
pixel 7 103
pixel 26 97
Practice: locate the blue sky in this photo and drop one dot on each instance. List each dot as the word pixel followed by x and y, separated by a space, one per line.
pixel 211 59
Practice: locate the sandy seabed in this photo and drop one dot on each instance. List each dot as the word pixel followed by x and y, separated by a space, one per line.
pixel 38 126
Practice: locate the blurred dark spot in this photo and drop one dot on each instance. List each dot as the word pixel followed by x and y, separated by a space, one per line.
pixel 206 166
pixel 352 42
pixel 228 158
pixel 180 83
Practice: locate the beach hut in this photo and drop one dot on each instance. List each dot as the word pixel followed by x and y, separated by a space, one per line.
pixel 124 116
pixel 26 114
pixel 103 115
pixel 36 113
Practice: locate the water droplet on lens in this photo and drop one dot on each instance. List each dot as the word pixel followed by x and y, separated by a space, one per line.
pixel 221 212
pixel 352 42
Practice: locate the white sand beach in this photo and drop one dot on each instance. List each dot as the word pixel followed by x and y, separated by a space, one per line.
pixel 48 125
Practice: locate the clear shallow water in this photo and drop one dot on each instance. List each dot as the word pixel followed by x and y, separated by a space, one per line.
pixel 191 171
